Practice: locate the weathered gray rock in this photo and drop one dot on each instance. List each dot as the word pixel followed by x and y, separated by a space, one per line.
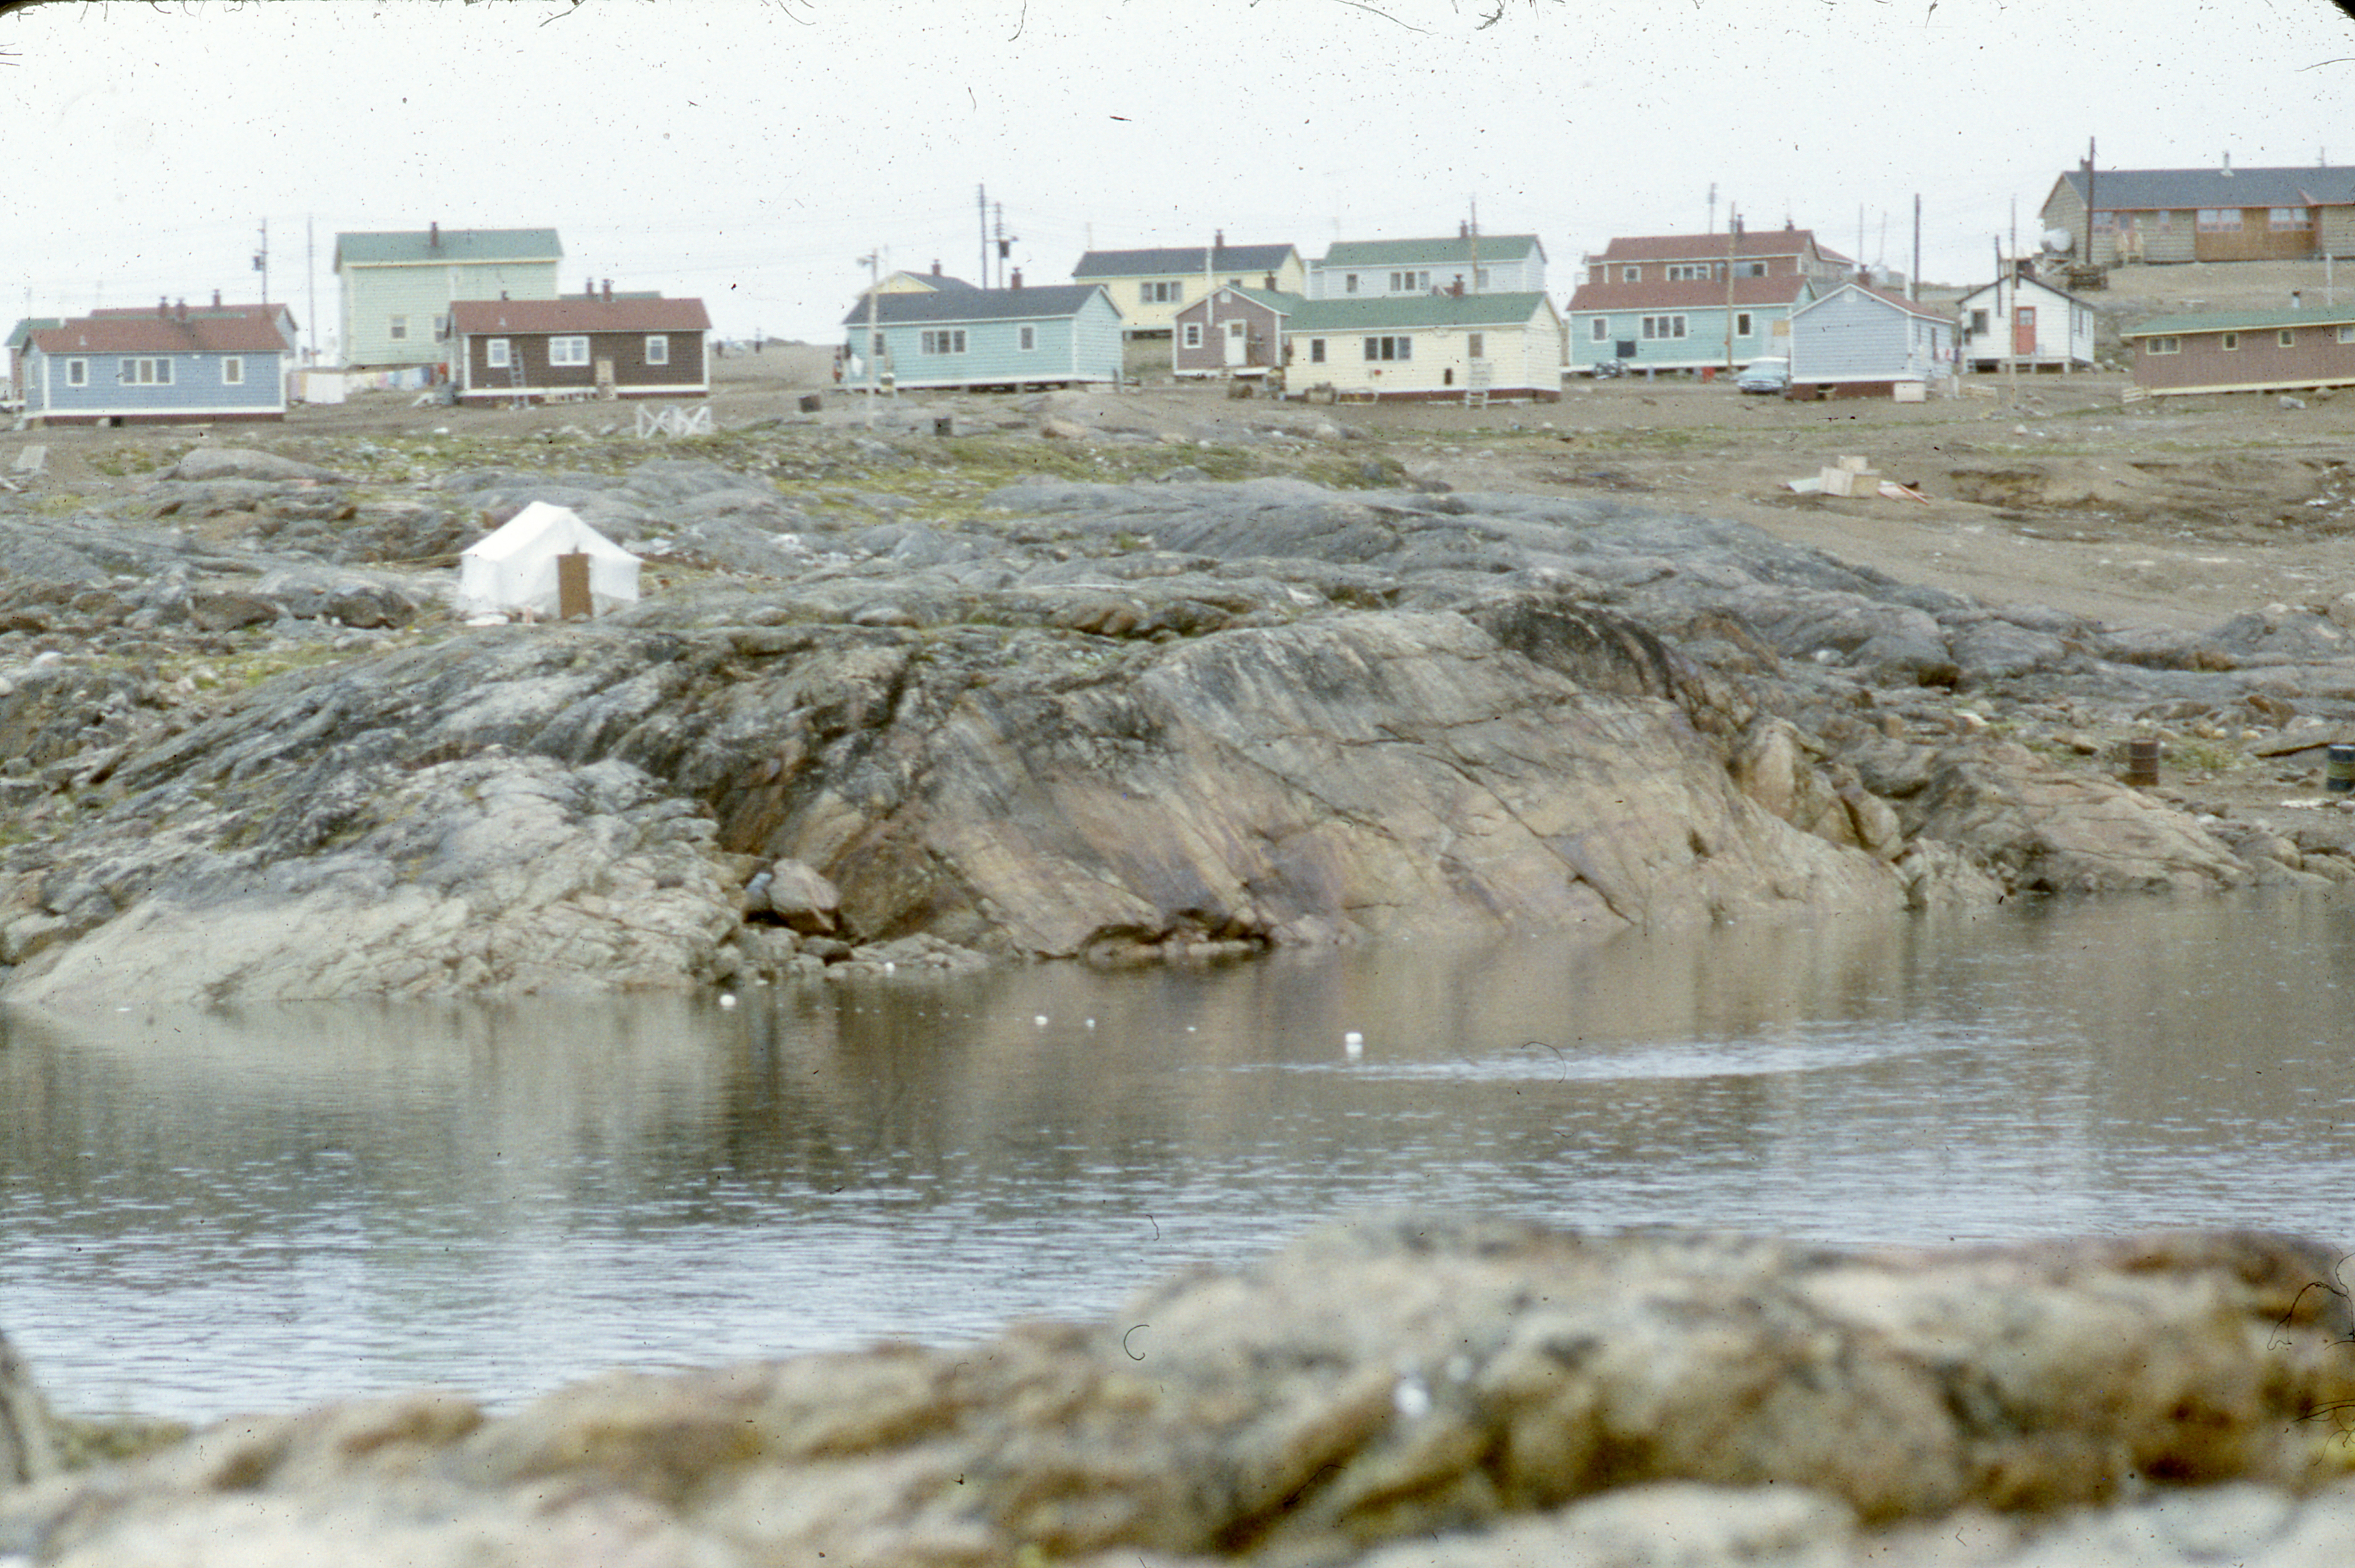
pixel 208 462
pixel 28 1445
pixel 1408 1389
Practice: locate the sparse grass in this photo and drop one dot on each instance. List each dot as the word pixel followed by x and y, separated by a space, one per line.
pixel 60 504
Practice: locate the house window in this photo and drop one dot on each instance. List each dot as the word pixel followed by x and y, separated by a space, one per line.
pixel 1349 283
pixel 1410 283
pixel 2232 340
pixel 1193 335
pixel 1317 351
pixel 2288 339
pixel 658 348
pixel 1476 345
pixel 1480 277
pixel 2287 218
pixel 1753 268
pixel 1631 274
pixel 233 371
pixel 1390 347
pixel 1659 326
pixel 1978 321
pixel 1600 329
pixel 497 354
pixel 1025 337
pixel 943 342
pixel 1742 326
pixel 146 372
pixel 78 370
pixel 1160 293
pixel 2167 344
pixel 2220 220
pixel 1688 272
pixel 397 328
pixel 568 351
pixel 2347 335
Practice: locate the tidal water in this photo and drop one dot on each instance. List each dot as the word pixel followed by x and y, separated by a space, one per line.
pixel 210 1212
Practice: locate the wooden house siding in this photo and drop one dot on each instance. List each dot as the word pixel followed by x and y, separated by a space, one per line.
pixel 1188 276
pixel 1521 359
pixel 1078 344
pixel 2062 328
pixel 1259 349
pixel 633 376
pixel 197 391
pixel 2315 358
pixel 375 292
pixel 1851 337
pixel 1366 269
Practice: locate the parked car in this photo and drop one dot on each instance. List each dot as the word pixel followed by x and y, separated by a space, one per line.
pixel 1765 375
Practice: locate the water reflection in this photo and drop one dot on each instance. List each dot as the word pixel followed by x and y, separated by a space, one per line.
pixel 213 1211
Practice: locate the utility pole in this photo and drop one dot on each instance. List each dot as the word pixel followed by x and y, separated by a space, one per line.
pixel 981 203
pixel 1914 278
pixel 1712 209
pixel 311 271
pixel 262 260
pixel 1004 247
pixel 874 260
pixel 1473 230
pixel 1732 252
pixel 2090 210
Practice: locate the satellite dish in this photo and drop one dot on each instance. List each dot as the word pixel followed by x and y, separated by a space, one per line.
pixel 2056 240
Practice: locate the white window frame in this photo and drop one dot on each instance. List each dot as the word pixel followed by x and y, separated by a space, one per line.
pixel 1193 335
pixel 1163 293
pixel 144 370
pixel 395 329
pixel 1476 346
pixel 1390 347
pixel 1744 325
pixel 233 370
pixel 943 341
pixel 77 371
pixel 2230 343
pixel 1755 269
pixel 2286 338
pixel 1349 283
pixel 498 353
pixel 1317 351
pixel 658 348
pixel 570 351
pixel 2170 345
pixel 1662 328
pixel 1025 337
pixel 1631 274
pixel 1601 329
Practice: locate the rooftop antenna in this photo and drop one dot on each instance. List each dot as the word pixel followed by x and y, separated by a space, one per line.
pixel 262 260
pixel 1005 246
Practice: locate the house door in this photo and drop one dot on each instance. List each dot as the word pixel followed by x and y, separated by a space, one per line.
pixel 1237 350
pixel 2023 330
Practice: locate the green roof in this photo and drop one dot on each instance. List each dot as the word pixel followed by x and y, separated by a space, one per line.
pixel 2242 320
pixel 1448 251
pixel 1410 311
pixel 412 246
pixel 23 331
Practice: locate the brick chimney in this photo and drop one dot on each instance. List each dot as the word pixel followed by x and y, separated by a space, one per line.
pixel 183 310
pixel 433 235
pixel 609 290
pixel 1219 240
pixel 217 299
pixel 1017 277
pixel 937 267
pixel 164 309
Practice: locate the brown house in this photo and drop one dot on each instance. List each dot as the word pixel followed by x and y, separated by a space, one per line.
pixel 2245 351
pixel 2222 214
pixel 1234 331
pixel 606 345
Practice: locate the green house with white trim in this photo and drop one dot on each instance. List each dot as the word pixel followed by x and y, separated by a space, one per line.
pixel 398 287
pixel 971 340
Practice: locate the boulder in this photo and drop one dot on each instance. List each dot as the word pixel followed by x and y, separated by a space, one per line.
pixel 208 462
pixel 28 1445
pixel 1406 1390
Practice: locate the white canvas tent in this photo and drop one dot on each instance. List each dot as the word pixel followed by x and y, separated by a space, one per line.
pixel 514 567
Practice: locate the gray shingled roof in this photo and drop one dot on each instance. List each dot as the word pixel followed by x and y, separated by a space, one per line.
pixel 974 304
pixel 1225 261
pixel 415 245
pixel 2145 190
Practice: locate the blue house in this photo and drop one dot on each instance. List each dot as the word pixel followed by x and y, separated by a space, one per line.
pixel 972 338
pixel 1862 342
pixel 160 367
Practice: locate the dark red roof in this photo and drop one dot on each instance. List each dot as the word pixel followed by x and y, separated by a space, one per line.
pixel 479 317
pixel 1711 247
pixel 146 332
pixel 1689 293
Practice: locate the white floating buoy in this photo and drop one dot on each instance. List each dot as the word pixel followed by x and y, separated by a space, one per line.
pixel 1354 1043
pixel 727 999
pixel 1040 1021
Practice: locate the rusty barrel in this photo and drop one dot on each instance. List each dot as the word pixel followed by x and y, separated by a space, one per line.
pixel 2339 770
pixel 2142 762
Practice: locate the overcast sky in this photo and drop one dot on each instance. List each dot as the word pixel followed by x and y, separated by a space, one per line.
pixel 751 151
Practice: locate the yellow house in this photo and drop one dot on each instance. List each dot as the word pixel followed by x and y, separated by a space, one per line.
pixel 1428 347
pixel 1152 286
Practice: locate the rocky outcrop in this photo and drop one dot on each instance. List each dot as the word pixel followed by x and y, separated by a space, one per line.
pixel 1122 721
pixel 1408 1389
